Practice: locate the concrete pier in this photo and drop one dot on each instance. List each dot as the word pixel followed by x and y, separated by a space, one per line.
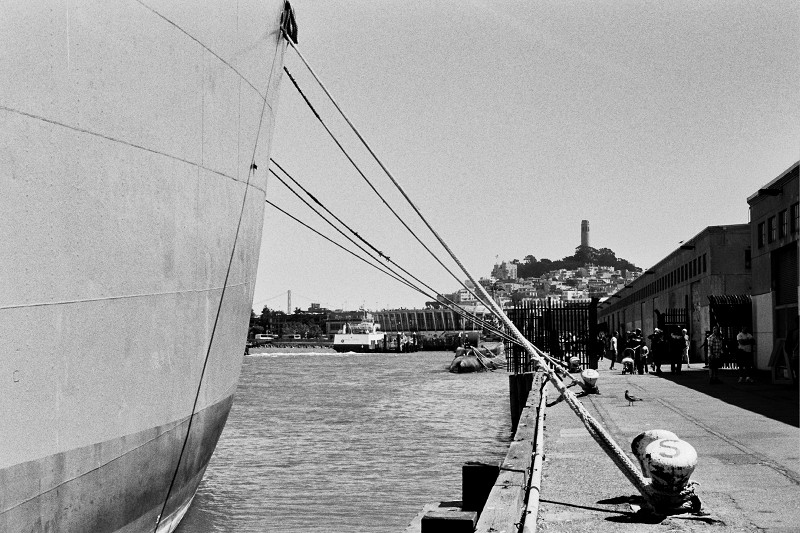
pixel 746 436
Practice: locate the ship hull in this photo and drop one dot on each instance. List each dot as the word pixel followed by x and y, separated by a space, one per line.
pixel 130 229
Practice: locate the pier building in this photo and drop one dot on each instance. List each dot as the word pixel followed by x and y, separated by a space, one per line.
pixel 744 274
pixel 701 281
pixel 775 228
pixel 429 320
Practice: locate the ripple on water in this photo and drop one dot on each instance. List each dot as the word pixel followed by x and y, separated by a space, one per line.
pixel 322 442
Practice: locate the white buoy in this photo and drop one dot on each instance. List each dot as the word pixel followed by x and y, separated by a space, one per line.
pixel 642 440
pixel 670 463
pixel 589 377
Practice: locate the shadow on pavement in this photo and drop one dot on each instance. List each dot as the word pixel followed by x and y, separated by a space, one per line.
pixel 778 402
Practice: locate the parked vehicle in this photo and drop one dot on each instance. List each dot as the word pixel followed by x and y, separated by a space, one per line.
pixel 263 338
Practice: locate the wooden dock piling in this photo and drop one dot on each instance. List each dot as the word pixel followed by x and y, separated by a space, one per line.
pixel 510 490
pixel 519 385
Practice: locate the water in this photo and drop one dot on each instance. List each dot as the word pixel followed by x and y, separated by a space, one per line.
pixel 347 442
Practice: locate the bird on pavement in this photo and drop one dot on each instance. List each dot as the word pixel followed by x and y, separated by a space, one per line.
pixel 631 398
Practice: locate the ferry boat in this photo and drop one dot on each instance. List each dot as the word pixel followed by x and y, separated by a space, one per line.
pixel 360 337
pixel 130 227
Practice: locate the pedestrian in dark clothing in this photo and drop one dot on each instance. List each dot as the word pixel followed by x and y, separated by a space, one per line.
pixel 677 343
pixel 658 350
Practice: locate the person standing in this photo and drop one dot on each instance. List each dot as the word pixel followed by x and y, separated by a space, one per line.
pixel 714 342
pixel 676 343
pixel 613 347
pixel 744 355
pixel 658 349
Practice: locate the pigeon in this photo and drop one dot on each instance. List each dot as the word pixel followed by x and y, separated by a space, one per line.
pixel 631 398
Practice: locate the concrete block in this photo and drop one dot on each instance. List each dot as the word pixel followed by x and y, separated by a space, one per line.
pixel 449 521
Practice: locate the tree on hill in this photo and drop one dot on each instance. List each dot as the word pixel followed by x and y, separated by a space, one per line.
pixel 584 255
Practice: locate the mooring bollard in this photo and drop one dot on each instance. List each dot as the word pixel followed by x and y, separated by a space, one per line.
pixel 671 463
pixel 589 377
pixel 642 440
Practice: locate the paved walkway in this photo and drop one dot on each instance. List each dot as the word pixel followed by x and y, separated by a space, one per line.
pixel 746 437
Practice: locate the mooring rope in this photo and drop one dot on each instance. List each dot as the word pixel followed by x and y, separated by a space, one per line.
pixel 434 294
pixel 463 313
pixel 605 440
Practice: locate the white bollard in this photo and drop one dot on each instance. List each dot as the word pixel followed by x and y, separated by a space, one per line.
pixel 642 440
pixel 589 377
pixel 670 463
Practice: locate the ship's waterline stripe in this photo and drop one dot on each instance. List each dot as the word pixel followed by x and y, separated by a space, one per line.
pixel 122 297
pixel 157 432
pixel 127 143
pixel 128 486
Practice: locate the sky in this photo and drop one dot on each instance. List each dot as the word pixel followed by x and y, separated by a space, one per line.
pixel 509 122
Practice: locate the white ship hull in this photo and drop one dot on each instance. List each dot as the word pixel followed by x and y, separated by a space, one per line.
pixel 126 136
pixel 358 342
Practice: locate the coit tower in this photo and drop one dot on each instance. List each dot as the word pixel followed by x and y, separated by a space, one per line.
pixel 585 233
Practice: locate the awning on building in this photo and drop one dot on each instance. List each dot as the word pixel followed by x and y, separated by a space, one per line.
pixel 731 310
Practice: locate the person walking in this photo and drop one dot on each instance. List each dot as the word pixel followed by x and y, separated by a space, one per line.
pixel 685 356
pixel 744 355
pixel 613 349
pixel 714 342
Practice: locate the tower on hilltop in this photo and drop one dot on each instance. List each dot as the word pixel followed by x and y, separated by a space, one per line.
pixel 585 233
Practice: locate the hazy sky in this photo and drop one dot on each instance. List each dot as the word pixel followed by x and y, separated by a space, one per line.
pixel 510 122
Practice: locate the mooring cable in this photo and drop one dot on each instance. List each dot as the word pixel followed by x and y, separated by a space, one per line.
pixel 340 221
pixel 366 242
pixel 462 312
pixel 339 245
pixel 435 295
pixel 605 440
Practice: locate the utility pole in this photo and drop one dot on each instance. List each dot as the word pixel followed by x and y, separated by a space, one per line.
pixel 289 302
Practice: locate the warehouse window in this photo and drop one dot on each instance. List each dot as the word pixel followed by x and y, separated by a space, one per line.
pixel 771 229
pixel 795 223
pixel 783 224
pixel 761 235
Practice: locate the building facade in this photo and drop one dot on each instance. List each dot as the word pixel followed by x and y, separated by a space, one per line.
pixel 711 267
pixel 775 229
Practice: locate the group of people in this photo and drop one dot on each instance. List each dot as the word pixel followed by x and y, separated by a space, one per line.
pixel 673 348
pixel 744 354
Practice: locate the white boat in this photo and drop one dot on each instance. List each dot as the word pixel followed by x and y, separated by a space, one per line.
pixel 130 229
pixel 359 337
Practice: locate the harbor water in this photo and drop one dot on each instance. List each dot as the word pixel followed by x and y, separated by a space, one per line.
pixel 319 442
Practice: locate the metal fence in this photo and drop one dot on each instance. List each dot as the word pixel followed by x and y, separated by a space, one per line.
pixel 562 329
